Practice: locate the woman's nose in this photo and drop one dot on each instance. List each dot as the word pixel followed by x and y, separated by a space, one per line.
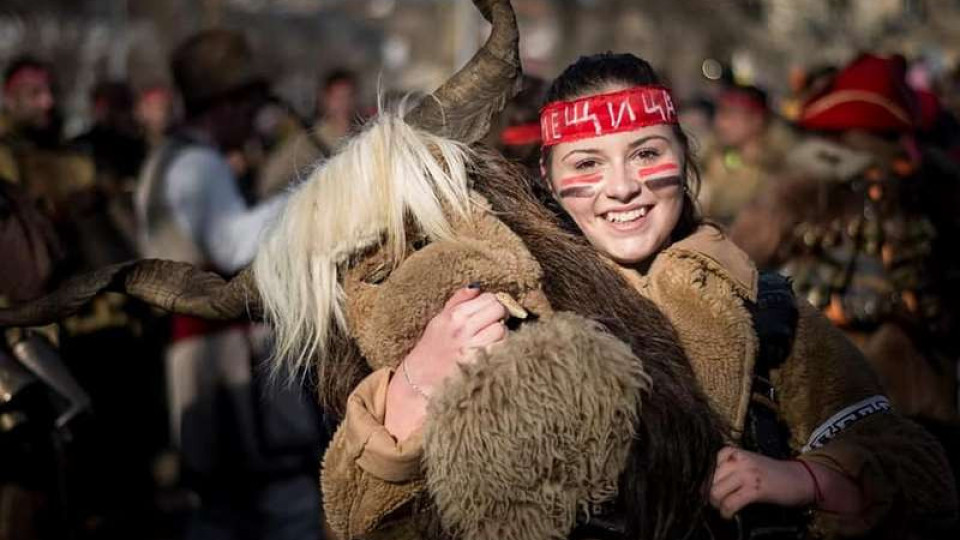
pixel 622 186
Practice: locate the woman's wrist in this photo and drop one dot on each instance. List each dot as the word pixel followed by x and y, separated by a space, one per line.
pixel 834 492
pixel 406 408
pixel 418 389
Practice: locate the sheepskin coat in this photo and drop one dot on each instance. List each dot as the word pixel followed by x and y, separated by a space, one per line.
pixel 374 487
pixel 704 284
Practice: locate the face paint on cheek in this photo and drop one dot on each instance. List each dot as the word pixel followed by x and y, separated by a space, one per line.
pixel 656 184
pixel 657 169
pixel 672 177
pixel 579 186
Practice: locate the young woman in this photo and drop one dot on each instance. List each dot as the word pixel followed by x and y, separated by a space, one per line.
pixel 618 169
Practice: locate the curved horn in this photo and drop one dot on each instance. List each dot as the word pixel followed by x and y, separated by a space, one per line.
pixel 172 286
pixel 461 109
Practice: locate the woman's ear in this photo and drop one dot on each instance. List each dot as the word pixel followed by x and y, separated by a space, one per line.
pixel 546 178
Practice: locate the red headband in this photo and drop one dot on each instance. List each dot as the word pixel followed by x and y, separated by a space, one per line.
pixel 521 135
pixel 604 114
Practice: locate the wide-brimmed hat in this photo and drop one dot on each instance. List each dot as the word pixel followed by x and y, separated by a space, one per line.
pixel 213 64
pixel 870 94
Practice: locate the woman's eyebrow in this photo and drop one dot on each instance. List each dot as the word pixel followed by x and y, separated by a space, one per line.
pixel 589 151
pixel 643 140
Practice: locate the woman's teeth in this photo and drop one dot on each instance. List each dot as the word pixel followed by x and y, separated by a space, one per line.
pixel 622 217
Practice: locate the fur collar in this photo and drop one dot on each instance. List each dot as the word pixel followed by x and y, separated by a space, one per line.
pixel 702 284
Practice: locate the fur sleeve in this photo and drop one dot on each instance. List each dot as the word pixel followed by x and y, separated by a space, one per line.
pixel 901 469
pixel 367 477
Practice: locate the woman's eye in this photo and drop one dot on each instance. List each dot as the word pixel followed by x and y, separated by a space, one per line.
pixel 586 164
pixel 647 154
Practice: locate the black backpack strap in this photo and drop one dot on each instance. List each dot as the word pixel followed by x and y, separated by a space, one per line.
pixel 775 323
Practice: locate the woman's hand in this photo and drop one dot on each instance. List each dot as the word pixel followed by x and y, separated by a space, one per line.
pixel 744 477
pixel 469 320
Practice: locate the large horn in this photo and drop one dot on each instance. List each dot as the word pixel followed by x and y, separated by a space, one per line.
pixel 173 286
pixel 461 109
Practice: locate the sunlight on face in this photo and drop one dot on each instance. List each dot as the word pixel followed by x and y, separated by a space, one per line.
pixel 624 191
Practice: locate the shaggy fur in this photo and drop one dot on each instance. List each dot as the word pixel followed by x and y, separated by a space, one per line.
pixel 672 446
pixel 388 309
pixel 535 431
pixel 392 272
pixel 386 179
pixel 715 328
pixel 670 469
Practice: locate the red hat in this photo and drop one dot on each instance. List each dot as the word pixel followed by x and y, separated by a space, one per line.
pixel 869 94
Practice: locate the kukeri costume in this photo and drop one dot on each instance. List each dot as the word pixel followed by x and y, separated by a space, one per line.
pixel 866 228
pixel 590 404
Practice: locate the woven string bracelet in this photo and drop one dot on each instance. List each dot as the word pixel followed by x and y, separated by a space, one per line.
pixel 817 494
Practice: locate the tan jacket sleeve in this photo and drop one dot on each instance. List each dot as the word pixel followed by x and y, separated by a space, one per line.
pixel 367 475
pixel 901 469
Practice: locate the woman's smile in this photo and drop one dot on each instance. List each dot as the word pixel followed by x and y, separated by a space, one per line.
pixel 623 190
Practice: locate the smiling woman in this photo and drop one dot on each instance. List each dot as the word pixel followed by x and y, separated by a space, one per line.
pixel 623 190
pixel 618 165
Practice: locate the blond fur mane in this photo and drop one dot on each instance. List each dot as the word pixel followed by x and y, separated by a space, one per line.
pixel 390 173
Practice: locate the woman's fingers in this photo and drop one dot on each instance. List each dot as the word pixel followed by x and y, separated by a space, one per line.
pixel 745 494
pixel 462 295
pixel 488 336
pixel 462 312
pixel 723 487
pixel 488 314
pixel 727 453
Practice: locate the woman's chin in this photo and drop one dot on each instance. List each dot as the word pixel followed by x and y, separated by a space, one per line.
pixel 629 253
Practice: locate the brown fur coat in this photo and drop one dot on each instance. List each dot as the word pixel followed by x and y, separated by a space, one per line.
pixel 521 456
pixel 703 285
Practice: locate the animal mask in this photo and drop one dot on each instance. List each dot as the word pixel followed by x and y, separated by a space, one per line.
pixel 540 429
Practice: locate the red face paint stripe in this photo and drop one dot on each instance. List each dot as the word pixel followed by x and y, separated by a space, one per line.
pixel 591 178
pixel 657 169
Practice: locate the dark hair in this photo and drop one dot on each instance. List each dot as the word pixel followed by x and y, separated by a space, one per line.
pixel 339 75
pixel 593 74
pixel 23 62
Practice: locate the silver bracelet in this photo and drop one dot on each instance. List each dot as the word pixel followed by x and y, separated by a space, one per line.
pixel 406 377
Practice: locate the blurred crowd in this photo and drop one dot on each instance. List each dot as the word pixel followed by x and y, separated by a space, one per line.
pixel 849 185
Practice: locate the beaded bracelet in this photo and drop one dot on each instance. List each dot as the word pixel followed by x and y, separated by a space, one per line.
pixel 817 494
pixel 416 388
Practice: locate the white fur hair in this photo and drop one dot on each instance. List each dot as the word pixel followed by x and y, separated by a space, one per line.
pixel 362 196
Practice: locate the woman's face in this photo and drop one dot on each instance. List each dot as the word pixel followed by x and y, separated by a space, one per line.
pixel 624 190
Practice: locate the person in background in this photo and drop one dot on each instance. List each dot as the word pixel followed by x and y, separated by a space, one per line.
pixel 866 226
pixel 32 150
pixel 249 450
pixel 336 117
pixel 153 112
pixel 747 151
pixel 517 132
pixel 114 142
